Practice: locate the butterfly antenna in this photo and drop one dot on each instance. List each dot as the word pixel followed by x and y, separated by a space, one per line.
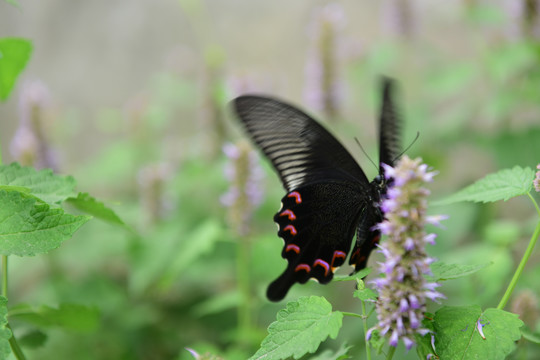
pixel 408 147
pixel 365 153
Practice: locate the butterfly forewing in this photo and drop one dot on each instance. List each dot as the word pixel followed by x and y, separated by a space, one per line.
pixel 389 126
pixel 300 149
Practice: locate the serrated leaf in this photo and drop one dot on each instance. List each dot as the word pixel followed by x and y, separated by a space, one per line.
pixel 457 336
pixel 5 333
pixel 28 227
pixel 14 54
pixel 44 184
pixel 359 275
pixel 90 205
pixel 501 185
pixel 300 328
pixel 74 317
pixel 442 271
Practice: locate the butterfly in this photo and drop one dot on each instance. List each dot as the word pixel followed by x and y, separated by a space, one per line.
pixel 329 198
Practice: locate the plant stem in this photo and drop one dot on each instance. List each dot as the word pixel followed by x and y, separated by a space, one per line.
pixel 352 314
pixel 364 320
pixel 522 263
pixel 391 352
pixel 15 346
pixel 4 276
pixel 242 273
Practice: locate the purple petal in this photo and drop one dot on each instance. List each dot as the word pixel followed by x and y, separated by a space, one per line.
pixel 408 343
pixel 403 305
pixel 394 339
pixel 430 238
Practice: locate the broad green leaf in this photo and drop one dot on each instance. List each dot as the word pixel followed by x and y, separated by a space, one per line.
pixel 457 335
pixel 44 184
pixel 32 340
pixel 501 185
pixel 14 54
pixel 442 271
pixel 92 206
pixel 300 328
pixel 28 227
pixel 74 317
pixel 5 333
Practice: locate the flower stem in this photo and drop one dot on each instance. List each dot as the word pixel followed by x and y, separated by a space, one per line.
pixel 391 352
pixel 364 320
pixel 242 273
pixel 12 341
pixel 522 263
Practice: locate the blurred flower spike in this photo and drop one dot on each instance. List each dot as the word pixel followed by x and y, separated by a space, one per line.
pixel 245 193
pixel 537 179
pixel 403 290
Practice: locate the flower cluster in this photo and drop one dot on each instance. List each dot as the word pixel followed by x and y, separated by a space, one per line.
pixel 245 193
pixel 323 87
pixel 537 179
pixel 403 290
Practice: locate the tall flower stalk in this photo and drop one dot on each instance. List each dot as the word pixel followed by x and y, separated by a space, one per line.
pixel 403 290
pixel 242 199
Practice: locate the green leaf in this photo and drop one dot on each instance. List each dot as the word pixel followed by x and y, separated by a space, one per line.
pixel 529 335
pixel 365 294
pixel 300 328
pixel 501 185
pixel 5 333
pixel 29 227
pixel 90 205
pixel 340 354
pixel 73 317
pixel 44 184
pixel 33 339
pixel 457 336
pixel 442 271
pixel 14 54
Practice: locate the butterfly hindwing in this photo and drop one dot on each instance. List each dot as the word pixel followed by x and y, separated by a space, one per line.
pixel 317 223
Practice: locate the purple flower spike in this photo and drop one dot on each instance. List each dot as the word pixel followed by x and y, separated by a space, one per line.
pixel 403 291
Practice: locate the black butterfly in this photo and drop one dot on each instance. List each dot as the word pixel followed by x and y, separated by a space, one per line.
pixel 328 195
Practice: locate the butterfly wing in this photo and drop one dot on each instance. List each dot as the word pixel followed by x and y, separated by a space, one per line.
pixel 325 189
pixel 389 126
pixel 301 150
pixel 367 237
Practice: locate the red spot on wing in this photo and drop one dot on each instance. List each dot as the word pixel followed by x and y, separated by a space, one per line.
pixel 296 195
pixel 376 239
pixel 338 254
pixel 324 264
pixel 305 267
pixel 291 229
pixel 292 247
pixel 288 213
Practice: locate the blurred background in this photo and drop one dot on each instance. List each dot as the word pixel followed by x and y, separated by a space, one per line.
pixel 131 98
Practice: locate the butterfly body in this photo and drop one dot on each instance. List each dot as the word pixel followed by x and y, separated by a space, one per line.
pixel 329 198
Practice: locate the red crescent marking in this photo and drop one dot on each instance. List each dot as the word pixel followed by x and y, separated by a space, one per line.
pixel 303 267
pixel 376 239
pixel 292 247
pixel 288 213
pixel 338 254
pixel 291 228
pixel 296 195
pixel 322 263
